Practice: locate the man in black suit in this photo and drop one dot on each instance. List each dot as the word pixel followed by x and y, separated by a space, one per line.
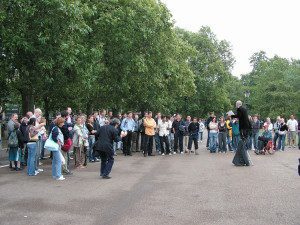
pixel 106 136
pixel 242 157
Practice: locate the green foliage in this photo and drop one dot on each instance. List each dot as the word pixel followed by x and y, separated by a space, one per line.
pixel 274 85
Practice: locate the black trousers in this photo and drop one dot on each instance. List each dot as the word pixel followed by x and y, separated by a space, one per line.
pixel 143 137
pixel 127 143
pixel 178 138
pixel 135 141
pixel 164 140
pixel 193 138
pixel 148 145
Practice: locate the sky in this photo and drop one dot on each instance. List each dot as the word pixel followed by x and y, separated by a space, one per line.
pixel 249 25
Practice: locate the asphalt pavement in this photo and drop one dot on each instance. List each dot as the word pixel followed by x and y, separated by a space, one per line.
pixel 177 189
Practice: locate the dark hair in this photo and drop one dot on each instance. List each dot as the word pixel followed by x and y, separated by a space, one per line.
pixel 64 114
pixel 114 121
pixel 32 121
pixel 58 114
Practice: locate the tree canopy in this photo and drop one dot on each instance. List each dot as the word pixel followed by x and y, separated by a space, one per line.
pixel 127 55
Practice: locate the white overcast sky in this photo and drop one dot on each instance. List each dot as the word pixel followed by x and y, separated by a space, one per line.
pixel 249 25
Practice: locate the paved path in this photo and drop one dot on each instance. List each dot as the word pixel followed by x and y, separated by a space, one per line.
pixel 180 189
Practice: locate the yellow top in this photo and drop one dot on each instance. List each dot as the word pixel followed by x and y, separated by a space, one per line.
pixel 149 125
pixel 229 128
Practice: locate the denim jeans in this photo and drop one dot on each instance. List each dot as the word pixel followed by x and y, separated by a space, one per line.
pixel 38 152
pixel 213 141
pixel 56 164
pixel 276 136
pixel 235 141
pixel 229 141
pixel 31 161
pixel 222 141
pixel 171 139
pixel 281 142
pixel 107 162
pixel 91 140
pixel 43 149
pixel 157 143
pixel 200 136
pixel 255 140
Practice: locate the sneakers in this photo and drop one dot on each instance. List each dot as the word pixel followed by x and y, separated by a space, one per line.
pixel 60 178
pixel 106 177
pixel 40 170
pixel 36 173
pixel 163 154
pixel 181 153
pixel 174 153
pixel 170 153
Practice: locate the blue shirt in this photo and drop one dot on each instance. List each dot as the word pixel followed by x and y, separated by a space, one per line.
pixel 128 125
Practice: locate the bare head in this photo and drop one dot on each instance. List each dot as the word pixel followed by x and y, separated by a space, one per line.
pixel 238 104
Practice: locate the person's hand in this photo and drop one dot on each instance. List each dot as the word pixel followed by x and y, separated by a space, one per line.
pixel 70 128
pixel 123 134
pixel 94 131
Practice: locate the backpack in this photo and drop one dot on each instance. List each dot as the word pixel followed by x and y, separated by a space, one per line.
pixel 13 140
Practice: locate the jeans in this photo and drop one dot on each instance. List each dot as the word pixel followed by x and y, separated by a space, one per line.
pixel 38 152
pixel 164 139
pixel 31 161
pixel 229 141
pixel 207 142
pixel 200 136
pixel 222 141
pixel 107 162
pixel 171 139
pixel 178 138
pixel 281 142
pixel 255 140
pixel 235 141
pixel 56 164
pixel 193 138
pixel 157 143
pixel 91 140
pixel 276 136
pixel 43 149
pixel 213 141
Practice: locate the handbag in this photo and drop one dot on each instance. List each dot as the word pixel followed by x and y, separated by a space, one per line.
pixel 62 158
pixel 67 145
pixel 50 145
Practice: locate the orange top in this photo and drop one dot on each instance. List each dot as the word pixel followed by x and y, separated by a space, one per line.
pixel 149 125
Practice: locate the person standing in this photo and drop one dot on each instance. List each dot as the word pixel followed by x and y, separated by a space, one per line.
pixel 201 130
pixel 32 148
pixel 66 133
pixel 91 138
pixel 164 131
pixel 209 119
pixel 293 127
pixel 78 144
pixel 186 133
pixel 276 135
pixel 178 130
pixel 142 131
pixel 255 132
pixel 282 130
pixel 106 135
pixel 235 134
pixel 11 131
pixel 150 125
pixel 157 137
pixel 127 125
pixel 241 157
pixel 222 135
pixel 229 132
pixel 58 137
pixel 213 135
pixel 136 134
pixel 193 130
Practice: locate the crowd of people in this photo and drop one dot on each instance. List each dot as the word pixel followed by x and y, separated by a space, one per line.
pixel 101 136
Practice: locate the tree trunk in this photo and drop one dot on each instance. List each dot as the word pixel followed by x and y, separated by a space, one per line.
pixel 27 102
pixel 46 102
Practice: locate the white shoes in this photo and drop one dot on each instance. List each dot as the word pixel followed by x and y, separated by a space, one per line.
pixel 174 153
pixel 170 153
pixel 36 173
pixel 181 153
pixel 61 178
pixel 40 170
pixel 163 154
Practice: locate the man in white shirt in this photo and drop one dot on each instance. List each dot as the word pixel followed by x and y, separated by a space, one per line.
pixel 164 128
pixel 292 132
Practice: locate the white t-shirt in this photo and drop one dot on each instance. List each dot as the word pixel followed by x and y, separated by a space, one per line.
pixel 292 125
pixel 164 128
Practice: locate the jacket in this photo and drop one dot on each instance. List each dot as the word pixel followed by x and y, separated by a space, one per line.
pixel 106 136
pixel 244 121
